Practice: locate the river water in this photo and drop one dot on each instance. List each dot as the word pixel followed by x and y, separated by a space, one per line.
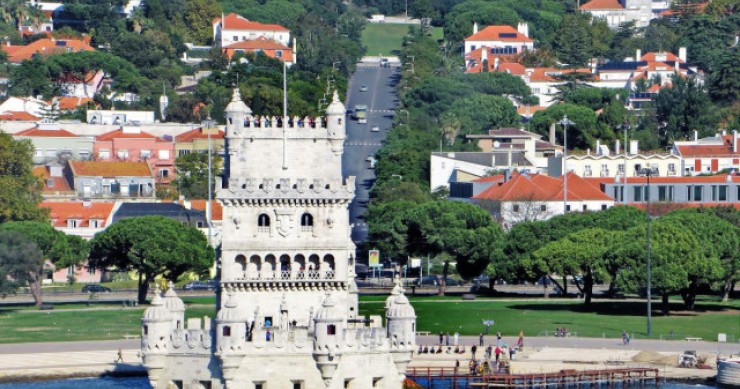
pixel 143 383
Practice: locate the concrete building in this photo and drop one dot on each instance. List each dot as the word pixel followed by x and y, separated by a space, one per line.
pixel 52 143
pixel 451 167
pixel 722 189
pixel 118 118
pixel 106 180
pixel 709 155
pixel 535 148
pixel 45 47
pixel 235 34
pixel 618 12
pixel 129 143
pixel 289 311
pixel 196 141
pixel 530 197
pixel 498 40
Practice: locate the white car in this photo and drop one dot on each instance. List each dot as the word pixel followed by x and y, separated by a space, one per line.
pixel 375 129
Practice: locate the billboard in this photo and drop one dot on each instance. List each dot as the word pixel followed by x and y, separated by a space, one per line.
pixel 374 258
pixel 415 262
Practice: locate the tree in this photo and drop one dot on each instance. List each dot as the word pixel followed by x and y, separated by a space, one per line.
pixel 151 246
pixel 55 246
pixel 684 107
pixel 572 41
pixel 583 134
pixel 20 262
pixel 479 113
pixel 725 79
pixel 199 15
pixel 192 174
pixel 20 190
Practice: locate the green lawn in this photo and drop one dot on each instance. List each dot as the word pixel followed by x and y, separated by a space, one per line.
pixel 434 314
pixel 385 39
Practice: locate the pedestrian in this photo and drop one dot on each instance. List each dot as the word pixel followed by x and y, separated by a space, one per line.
pixel 457 365
pixel 625 338
pixel 473 350
pixel 441 336
pixel 120 356
pixel 520 342
pixel 489 350
pixel 499 341
pixel 447 339
pixel 511 353
pixel 480 340
pixel 498 353
pixel 456 338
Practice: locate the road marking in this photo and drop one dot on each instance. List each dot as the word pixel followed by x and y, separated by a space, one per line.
pixel 362 144
pixel 382 111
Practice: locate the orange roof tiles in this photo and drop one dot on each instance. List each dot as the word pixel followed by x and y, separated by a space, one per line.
pixel 61 212
pixel 499 33
pixel 550 74
pixel 55 133
pixel 216 208
pixel 68 103
pixel 233 21
pixel 498 177
pixel 539 187
pixel 653 57
pixel 19 116
pixel 119 134
pixel 110 169
pixel 706 151
pixel 529 109
pixel 261 43
pixel 58 184
pixel 596 5
pixel 46 46
pixel 197 133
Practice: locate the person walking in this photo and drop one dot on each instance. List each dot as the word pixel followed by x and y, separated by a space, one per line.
pixel 441 336
pixel 456 338
pixel 498 353
pixel 499 341
pixel 473 350
pixel 480 340
pixel 120 356
pixel 447 339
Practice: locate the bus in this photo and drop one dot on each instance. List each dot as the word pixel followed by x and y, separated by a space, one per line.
pixel 361 113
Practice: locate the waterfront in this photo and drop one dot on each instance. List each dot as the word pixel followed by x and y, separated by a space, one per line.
pixel 143 383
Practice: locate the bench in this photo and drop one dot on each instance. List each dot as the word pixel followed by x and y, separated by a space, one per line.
pixel 692 339
pixel 46 307
pixel 129 336
pixel 423 333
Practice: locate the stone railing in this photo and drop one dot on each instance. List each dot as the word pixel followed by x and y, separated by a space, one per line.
pixel 286 275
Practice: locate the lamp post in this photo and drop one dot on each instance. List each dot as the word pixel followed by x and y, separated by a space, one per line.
pixel 209 125
pixel 648 173
pixel 565 122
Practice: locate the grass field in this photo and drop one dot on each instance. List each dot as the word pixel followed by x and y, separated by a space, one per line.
pixel 435 314
pixel 385 38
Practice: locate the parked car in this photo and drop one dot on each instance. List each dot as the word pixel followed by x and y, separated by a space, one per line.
pixel 201 285
pixel 363 88
pixel 428 280
pixel 375 129
pixel 384 62
pixel 95 288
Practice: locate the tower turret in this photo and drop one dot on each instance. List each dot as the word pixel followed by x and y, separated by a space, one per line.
pixel 335 124
pixel 236 112
pixel 401 325
pixel 176 307
pixel 155 335
pixel 231 338
pixel 328 338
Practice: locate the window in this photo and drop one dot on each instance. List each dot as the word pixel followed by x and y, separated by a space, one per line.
pixel 200 224
pixel 620 169
pixel 662 193
pixel 567 208
pixel 259 385
pixel 697 193
pixel 543 208
pixel 515 208
pixel 146 154
pixel 164 173
pixel 73 223
pixel 722 193
pixel 672 169
pixel 145 329
pixel 104 154
pixel 263 220
pixel 278 54
pixel 306 220
pixel 603 207
pixel 38 153
pixel 331 329
pixel 637 194
pixel 297 384
pixel 164 154
pixel 122 154
pixel 587 171
pixel 180 153
pixel 95 223
pixel 236 38
pixel 268 321
pixel 226 331
pixel 585 208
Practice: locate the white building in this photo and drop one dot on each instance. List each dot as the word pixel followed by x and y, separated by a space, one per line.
pixel 116 117
pixel 451 167
pixel 618 12
pixel 709 155
pixel 30 105
pixel 289 313
pixel 500 39
pixel 233 28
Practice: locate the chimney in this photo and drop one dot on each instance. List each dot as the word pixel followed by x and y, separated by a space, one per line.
pixel 682 54
pixel 475 27
pixel 696 135
pixel 523 29
pixel 598 147
pixel 734 141
pixel 638 55
pixel 507 175
pixel 552 134
pixel 617 147
pixel 483 55
pixel 634 147
pixel 56 171
pixel 496 63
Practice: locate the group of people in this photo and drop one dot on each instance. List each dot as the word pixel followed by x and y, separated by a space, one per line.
pixel 561 332
pixel 431 350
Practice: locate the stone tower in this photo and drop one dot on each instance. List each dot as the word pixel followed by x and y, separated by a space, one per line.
pixel 289 316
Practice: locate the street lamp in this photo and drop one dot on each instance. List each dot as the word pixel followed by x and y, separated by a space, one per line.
pixel 208 124
pixel 565 122
pixel 648 173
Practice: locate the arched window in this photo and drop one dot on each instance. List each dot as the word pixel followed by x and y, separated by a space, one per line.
pixel 306 220
pixel 241 261
pixel 263 220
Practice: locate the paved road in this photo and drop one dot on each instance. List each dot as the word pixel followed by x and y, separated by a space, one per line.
pixel 381 100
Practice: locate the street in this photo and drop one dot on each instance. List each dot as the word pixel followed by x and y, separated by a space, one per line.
pixel 361 143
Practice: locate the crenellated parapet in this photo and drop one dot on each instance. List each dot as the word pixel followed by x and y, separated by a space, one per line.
pixel 299 190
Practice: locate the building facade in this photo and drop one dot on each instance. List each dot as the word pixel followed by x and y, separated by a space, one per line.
pixel 52 143
pixel 105 180
pixel 129 143
pixel 289 313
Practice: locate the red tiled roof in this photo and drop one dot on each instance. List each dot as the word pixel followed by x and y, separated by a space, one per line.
pixel 549 74
pixel 539 187
pixel 46 46
pixel 683 179
pixel 261 43
pixel 20 116
pixel 51 133
pixel 110 169
pixel 61 212
pixel 68 103
pixel 216 208
pixel 499 33
pixel 652 57
pixel 119 134
pixel 706 150
pixel 498 177
pixel 233 21
pixel 596 5
pixel 197 133
pixel 59 184
pixel 529 109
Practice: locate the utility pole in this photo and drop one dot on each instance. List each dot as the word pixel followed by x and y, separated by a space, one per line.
pixel 565 122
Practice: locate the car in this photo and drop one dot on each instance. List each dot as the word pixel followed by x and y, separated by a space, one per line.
pixel 201 285
pixel 375 129
pixel 95 288
pixel 428 280
pixel 384 63
pixel 363 88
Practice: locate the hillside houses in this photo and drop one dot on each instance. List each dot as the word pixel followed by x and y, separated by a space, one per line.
pixel 236 34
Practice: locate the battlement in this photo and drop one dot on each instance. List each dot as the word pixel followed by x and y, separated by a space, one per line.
pixel 253 123
pixel 302 189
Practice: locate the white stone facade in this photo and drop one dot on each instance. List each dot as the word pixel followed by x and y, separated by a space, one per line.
pixel 289 315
